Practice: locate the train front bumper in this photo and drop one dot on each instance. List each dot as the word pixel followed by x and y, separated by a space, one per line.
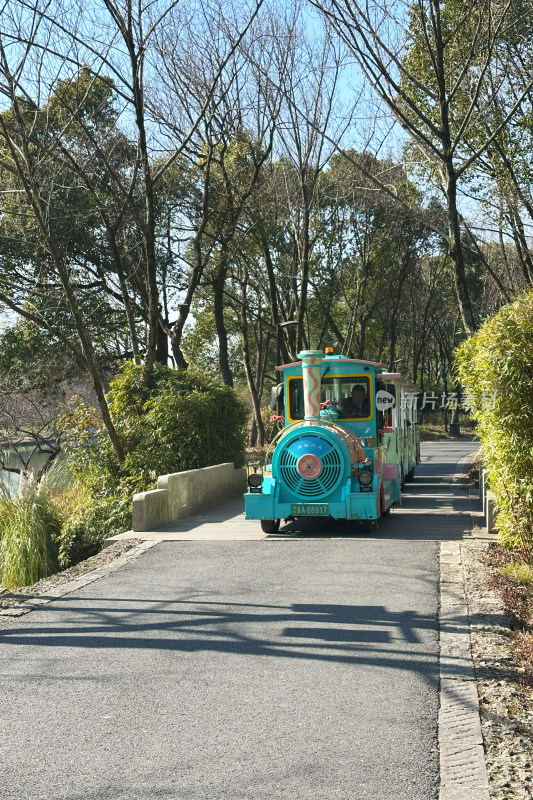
pixel 344 504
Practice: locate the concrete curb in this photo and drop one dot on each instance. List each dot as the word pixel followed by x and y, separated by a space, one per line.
pixel 477 514
pixel 463 769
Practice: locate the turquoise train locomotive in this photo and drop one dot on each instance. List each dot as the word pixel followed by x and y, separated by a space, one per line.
pixel 349 441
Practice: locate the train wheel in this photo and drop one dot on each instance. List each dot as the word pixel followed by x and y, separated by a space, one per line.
pixel 270 525
pixel 366 525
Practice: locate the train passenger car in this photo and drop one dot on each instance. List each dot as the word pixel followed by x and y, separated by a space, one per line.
pixel 344 450
pixel 400 425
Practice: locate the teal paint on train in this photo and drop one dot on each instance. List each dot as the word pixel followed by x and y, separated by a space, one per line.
pixel 319 463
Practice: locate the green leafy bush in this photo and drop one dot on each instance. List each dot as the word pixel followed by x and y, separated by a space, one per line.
pixel 495 366
pixel 182 420
pixel 92 516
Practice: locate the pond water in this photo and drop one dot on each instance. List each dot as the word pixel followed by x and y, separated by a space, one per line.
pixel 12 459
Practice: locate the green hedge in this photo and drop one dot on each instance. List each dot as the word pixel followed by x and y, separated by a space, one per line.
pixel 183 420
pixel 495 367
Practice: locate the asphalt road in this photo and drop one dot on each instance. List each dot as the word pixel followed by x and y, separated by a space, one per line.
pixel 228 670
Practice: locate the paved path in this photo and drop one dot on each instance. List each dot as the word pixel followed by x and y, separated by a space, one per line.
pixel 301 667
pixel 444 507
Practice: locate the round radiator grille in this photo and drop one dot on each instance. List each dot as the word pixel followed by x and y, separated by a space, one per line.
pixel 330 474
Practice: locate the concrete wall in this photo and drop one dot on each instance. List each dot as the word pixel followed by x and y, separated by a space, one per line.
pixel 184 493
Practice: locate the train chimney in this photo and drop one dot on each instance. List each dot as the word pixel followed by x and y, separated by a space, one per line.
pixel 311 368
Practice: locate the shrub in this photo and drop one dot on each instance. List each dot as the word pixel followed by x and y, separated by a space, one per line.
pixel 92 517
pixel 495 367
pixel 182 420
pixel 512 579
pixel 29 530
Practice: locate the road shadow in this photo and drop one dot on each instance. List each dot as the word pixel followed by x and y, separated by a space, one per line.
pixel 347 634
pixel 370 635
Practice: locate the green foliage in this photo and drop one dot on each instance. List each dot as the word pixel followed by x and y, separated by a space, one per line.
pixel 31 358
pixel 29 530
pixel 80 118
pixel 496 368
pixel 511 577
pixel 92 516
pixel 182 420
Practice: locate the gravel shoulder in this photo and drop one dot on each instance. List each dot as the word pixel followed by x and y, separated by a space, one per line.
pixel 10 599
pixel 506 707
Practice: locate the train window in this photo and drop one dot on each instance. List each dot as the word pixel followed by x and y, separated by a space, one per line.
pixel 350 395
pixel 296 398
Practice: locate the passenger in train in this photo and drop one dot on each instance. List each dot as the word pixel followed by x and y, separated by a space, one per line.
pixel 357 404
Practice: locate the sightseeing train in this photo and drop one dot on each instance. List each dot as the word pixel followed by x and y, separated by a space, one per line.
pixel 349 439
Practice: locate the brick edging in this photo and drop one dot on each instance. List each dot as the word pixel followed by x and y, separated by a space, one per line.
pixel 463 769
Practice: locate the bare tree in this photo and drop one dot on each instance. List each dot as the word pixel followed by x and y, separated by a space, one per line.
pixel 44 50
pixel 226 150
pixel 307 72
pixel 437 106
pixel 22 160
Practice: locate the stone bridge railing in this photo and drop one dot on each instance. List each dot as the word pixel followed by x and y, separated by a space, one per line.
pixel 182 494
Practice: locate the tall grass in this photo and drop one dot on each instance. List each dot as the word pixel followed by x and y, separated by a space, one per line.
pixel 29 531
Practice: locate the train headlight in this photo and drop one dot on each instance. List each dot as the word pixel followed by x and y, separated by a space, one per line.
pixel 366 478
pixel 254 481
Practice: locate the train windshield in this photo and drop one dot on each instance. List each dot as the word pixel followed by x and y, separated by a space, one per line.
pixel 349 395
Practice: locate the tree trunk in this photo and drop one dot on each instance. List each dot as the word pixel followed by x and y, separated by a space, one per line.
pixel 112 240
pixel 304 273
pixel 95 370
pixel 197 270
pixel 161 350
pixel 222 334
pixel 252 386
pixel 362 337
pixel 252 438
pixel 456 251
pixel 27 174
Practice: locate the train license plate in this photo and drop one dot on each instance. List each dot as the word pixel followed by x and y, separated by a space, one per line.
pixel 310 509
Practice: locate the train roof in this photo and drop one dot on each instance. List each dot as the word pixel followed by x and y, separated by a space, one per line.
pixel 380 367
pixel 397 376
pixel 337 359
